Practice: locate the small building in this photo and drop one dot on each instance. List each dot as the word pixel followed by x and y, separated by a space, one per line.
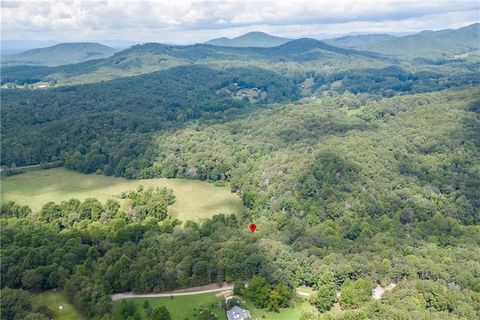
pixel 237 313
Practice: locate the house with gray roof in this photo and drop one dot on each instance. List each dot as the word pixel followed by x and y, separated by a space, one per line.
pixel 237 313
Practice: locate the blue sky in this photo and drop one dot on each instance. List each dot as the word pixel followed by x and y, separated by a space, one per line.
pixel 184 22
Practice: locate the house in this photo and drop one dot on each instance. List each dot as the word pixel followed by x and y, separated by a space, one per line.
pixel 237 313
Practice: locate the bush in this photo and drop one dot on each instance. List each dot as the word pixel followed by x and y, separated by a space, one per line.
pixel 355 293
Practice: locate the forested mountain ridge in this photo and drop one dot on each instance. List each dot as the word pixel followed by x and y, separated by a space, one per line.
pixel 346 193
pixel 60 54
pixel 251 39
pixel 151 57
pixel 111 122
pixel 319 147
pixel 159 100
pixel 426 44
pixel 245 85
pixel 355 41
pixel 458 47
pixel 359 169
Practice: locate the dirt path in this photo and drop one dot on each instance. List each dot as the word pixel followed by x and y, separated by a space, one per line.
pixel 175 293
pixel 379 290
pixel 303 294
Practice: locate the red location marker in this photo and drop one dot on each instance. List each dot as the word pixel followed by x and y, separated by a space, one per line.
pixel 253 226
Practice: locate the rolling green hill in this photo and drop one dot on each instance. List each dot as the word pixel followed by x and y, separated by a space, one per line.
pixel 112 121
pixel 60 54
pixel 151 57
pixel 251 39
pixel 426 44
pixel 359 40
pixel 294 57
pixel 359 168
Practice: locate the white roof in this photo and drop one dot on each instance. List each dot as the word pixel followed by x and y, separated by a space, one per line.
pixel 237 313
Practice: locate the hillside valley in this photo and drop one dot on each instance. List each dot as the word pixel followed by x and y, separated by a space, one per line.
pixel 299 175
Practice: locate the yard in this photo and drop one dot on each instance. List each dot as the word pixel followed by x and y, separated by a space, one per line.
pixel 53 300
pixel 180 308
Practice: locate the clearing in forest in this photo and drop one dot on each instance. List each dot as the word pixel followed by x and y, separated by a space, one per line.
pixel 195 200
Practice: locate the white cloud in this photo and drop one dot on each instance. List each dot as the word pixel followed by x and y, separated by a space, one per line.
pixel 198 20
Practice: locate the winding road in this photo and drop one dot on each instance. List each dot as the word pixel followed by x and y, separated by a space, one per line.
pixel 129 295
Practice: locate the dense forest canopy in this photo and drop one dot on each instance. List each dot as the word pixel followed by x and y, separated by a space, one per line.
pixel 108 126
pixel 359 169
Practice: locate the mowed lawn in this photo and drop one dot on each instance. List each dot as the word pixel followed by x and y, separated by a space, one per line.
pixel 194 199
pixel 183 307
pixel 180 308
pixel 284 314
pixel 53 300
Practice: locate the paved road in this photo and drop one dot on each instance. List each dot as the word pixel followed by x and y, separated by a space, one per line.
pixel 129 295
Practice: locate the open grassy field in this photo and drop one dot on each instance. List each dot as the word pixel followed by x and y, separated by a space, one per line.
pixel 184 307
pixel 194 199
pixel 54 299
pixel 285 314
pixel 180 308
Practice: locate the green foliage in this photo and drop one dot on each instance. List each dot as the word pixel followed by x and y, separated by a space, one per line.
pixel 259 291
pixel 239 287
pixel 160 313
pixel 149 203
pixel 263 295
pixel 391 80
pixel 12 209
pixel 206 314
pixel 427 298
pixel 128 308
pixel 233 301
pixel 280 297
pixel 146 304
pixel 355 293
pixel 16 303
pixel 326 292
pixel 114 132
pixel 313 161
pixel 428 44
pixel 348 190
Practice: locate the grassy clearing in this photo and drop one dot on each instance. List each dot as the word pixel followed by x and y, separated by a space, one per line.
pixel 195 200
pixel 285 314
pixel 305 290
pixel 180 308
pixel 54 299
pixel 184 307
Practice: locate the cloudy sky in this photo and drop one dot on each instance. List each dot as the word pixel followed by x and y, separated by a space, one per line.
pixel 180 21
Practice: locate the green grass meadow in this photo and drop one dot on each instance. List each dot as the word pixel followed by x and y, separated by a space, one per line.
pixel 195 200
pixel 180 308
pixel 183 307
pixel 293 313
pixel 54 299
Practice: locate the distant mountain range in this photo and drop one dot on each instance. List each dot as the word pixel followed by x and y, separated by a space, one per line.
pixel 74 63
pixel 355 41
pixel 60 54
pixel 251 39
pixel 426 44
pixel 150 57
